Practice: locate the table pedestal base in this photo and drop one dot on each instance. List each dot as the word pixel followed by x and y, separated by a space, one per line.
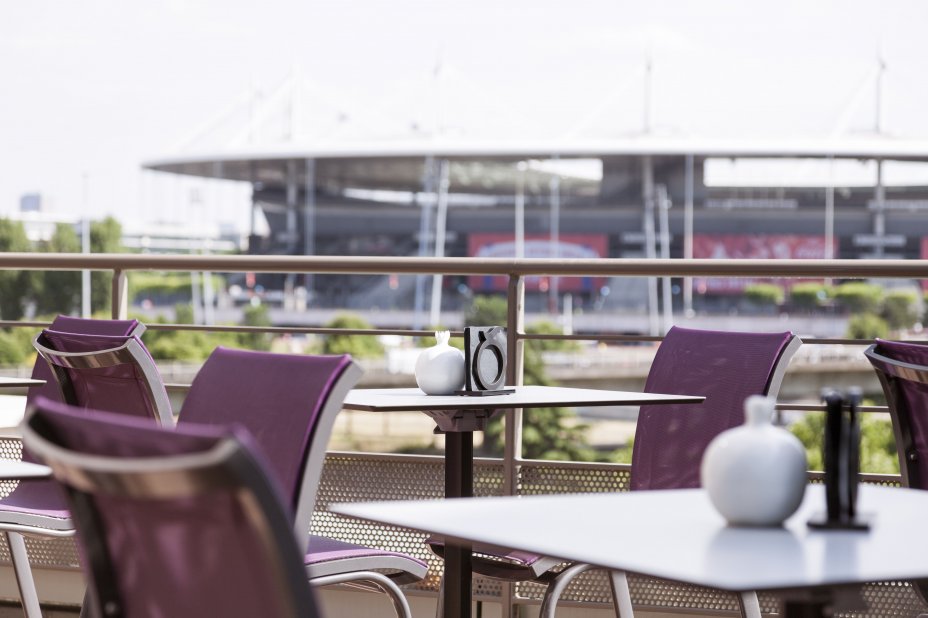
pixel 459 483
pixel 822 602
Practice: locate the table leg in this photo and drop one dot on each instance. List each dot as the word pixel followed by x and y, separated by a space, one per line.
pixel 804 609
pixel 459 483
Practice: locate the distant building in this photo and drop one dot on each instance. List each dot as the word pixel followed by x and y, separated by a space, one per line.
pixel 30 202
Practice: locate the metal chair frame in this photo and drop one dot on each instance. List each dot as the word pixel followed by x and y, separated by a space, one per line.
pixel 890 374
pixel 132 352
pixel 227 466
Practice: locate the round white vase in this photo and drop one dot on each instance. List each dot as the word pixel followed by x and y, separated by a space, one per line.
pixel 755 474
pixel 440 369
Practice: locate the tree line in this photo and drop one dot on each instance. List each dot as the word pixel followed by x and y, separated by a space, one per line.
pixel 54 291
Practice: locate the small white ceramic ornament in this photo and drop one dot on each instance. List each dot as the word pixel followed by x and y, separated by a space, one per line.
pixel 440 369
pixel 755 474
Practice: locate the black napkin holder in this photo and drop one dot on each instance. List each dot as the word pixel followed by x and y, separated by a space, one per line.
pixel 485 353
pixel 842 463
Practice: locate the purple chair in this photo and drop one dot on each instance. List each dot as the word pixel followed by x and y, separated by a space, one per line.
pixel 38 508
pixel 113 373
pixel 903 372
pixel 183 523
pixel 725 367
pixel 289 403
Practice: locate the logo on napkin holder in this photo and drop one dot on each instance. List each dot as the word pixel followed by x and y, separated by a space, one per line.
pixel 485 361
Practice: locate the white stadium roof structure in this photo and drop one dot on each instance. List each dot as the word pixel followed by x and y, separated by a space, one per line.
pixel 382 144
pixel 488 166
pixel 340 180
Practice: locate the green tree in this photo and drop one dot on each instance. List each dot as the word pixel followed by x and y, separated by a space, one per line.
pixel 256 316
pixel 764 294
pixel 859 297
pixel 867 326
pixel 547 433
pixel 486 311
pixel 877 443
pixel 16 286
pixel 60 290
pixel 359 346
pixel 808 295
pixel 900 308
pixel 16 347
pixel 105 237
pixel 184 345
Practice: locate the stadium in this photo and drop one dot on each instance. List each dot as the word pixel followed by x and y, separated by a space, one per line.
pixel 644 195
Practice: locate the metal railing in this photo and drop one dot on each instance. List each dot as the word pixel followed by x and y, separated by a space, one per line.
pixel 513 466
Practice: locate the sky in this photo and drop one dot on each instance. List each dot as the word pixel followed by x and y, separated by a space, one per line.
pixel 93 88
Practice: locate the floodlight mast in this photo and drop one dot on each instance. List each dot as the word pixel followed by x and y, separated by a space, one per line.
pixel 86 308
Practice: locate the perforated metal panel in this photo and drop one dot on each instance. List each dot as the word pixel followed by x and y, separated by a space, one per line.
pixel 10 448
pixel 553 477
pixel 889 600
pixel 360 477
pixel 43 552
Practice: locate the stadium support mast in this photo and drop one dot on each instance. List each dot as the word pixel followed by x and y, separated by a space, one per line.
pixel 441 223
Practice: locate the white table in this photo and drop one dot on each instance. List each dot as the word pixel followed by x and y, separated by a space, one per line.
pixel 678 535
pixel 14 469
pixel 458 417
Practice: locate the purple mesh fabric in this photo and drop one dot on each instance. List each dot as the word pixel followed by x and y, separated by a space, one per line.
pixel 725 367
pixel 323 549
pixel 911 404
pixel 66 324
pixel 172 558
pixel 113 389
pixel 276 397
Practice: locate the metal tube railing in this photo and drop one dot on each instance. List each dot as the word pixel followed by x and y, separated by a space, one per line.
pixel 516 270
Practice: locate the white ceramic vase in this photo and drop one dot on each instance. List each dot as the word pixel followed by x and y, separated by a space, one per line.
pixel 440 369
pixel 755 474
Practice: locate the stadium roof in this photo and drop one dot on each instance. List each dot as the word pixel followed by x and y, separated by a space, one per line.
pixel 398 164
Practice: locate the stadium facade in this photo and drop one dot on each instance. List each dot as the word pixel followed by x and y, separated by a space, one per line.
pixel 636 197
pixel 328 186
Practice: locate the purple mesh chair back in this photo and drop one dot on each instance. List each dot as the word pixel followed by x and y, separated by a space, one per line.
pixel 67 324
pixel 903 372
pixel 106 372
pixel 287 402
pixel 725 367
pixel 178 523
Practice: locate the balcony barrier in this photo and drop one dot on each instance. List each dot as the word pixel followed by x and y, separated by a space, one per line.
pixel 377 476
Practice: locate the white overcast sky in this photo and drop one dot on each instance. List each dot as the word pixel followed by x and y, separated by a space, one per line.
pixel 92 88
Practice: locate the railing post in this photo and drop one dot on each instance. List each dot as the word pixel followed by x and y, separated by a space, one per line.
pixel 512 453
pixel 515 326
pixel 119 308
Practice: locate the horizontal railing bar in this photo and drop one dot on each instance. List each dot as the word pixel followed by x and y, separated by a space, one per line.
pixel 675 267
pixel 405 332
pixel 605 337
pixel 317 330
pixel 573 465
pixel 803 407
pixel 23 324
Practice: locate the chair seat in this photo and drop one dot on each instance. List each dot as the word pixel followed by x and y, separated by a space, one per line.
pixel 36 502
pixel 501 563
pixel 327 556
